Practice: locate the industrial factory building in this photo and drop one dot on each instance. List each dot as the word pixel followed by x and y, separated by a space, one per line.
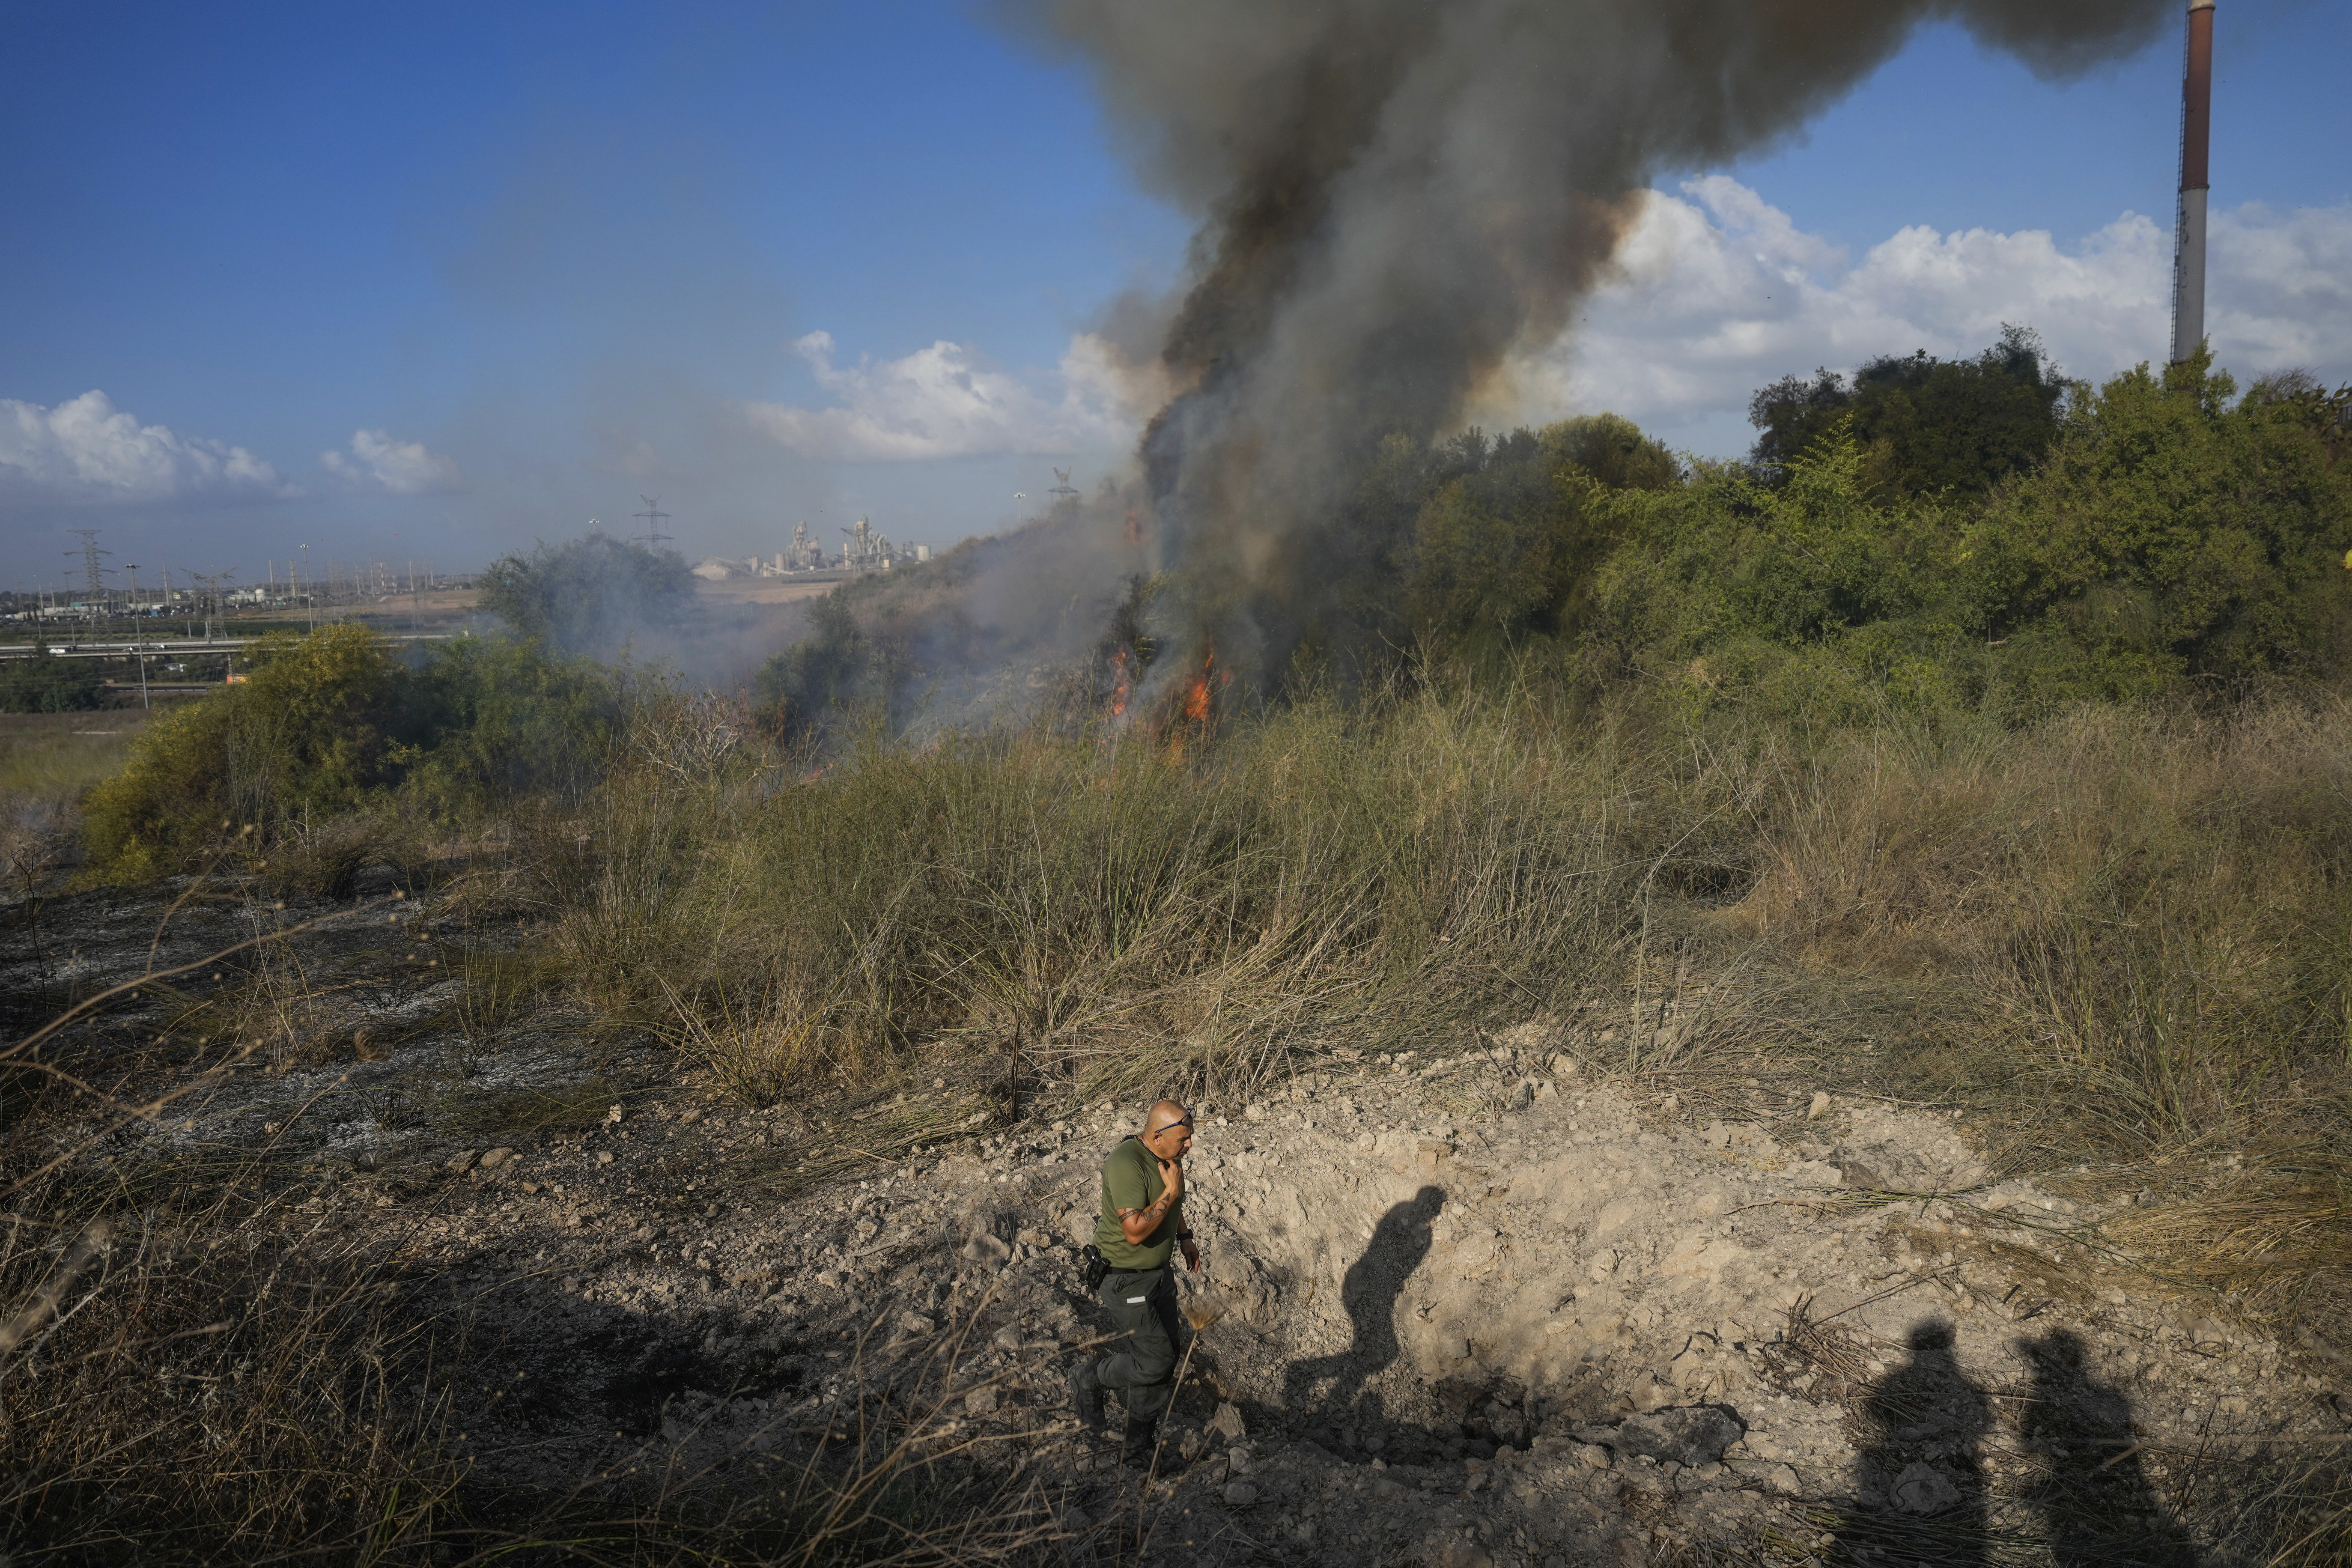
pixel 867 549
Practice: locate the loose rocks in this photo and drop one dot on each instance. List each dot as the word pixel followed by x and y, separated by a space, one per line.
pixel 1693 1435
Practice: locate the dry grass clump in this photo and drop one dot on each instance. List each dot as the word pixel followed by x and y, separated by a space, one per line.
pixel 327 858
pixel 2278 1239
pixel 756 1045
pixel 2155 903
pixel 2137 925
pixel 497 985
pixel 1129 915
pixel 212 1387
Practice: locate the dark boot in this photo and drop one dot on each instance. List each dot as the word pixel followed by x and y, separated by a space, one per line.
pixel 1142 1438
pixel 1087 1395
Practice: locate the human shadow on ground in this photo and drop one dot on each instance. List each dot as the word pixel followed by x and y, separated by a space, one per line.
pixel 1921 1481
pixel 2094 1496
pixel 1330 1390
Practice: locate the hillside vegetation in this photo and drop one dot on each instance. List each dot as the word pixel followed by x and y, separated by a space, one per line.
pixel 1985 743
pixel 2066 744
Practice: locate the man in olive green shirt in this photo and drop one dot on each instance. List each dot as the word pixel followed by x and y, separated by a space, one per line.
pixel 1143 1222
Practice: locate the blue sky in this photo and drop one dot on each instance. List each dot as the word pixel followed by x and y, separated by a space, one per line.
pixel 514 266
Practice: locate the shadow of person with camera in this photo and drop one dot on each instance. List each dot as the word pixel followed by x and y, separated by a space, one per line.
pixel 2092 1491
pixel 1921 1481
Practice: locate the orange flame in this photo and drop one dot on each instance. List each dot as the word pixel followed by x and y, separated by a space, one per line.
pixel 1196 691
pixel 1118 686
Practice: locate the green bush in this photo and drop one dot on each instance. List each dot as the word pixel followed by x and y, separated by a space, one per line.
pixel 1925 426
pixel 331 724
pixel 2175 536
pixel 2174 532
pixel 497 721
pixel 304 737
pixel 839 669
pixel 591 595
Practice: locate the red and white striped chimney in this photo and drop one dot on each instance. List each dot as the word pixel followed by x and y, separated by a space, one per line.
pixel 2189 218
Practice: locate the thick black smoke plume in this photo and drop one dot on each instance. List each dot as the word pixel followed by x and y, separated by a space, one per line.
pixel 1393 193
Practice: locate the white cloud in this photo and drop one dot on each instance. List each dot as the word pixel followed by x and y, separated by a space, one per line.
pixel 2281 291
pixel 87 451
pixel 945 402
pixel 1717 293
pixel 395 468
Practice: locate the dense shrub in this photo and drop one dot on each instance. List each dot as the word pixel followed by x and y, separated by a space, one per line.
pixel 1505 545
pixel 499 720
pixel 2174 532
pixel 2174 536
pixel 592 596
pixel 305 735
pixel 1925 426
pixel 331 724
pixel 839 669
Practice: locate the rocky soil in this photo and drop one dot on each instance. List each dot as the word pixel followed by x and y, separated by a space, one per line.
pixel 1466 1306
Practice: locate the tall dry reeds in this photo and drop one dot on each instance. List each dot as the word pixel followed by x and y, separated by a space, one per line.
pixel 2133 928
pixel 1131 916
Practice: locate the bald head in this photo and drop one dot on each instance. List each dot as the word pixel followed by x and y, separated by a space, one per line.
pixel 1167 1130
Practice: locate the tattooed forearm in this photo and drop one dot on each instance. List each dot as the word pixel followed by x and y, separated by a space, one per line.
pixel 1152 1216
pixel 1138 1224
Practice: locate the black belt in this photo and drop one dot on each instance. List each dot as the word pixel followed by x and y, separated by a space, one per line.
pixel 1097 1268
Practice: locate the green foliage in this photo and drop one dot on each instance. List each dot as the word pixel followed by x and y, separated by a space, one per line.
pixel 1612 450
pixel 44 683
pixel 591 595
pixel 330 724
pixel 2174 533
pixel 1925 426
pixel 838 670
pixel 497 721
pixel 304 735
pixel 1505 537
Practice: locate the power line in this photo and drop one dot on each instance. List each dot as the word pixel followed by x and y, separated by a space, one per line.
pixel 209 601
pixel 90 554
pixel 652 516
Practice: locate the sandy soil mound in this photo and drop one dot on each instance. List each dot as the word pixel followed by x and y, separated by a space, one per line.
pixel 1564 1327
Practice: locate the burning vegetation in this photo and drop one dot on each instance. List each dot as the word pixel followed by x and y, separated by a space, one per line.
pixel 1765 772
pixel 1394 199
pixel 1996 764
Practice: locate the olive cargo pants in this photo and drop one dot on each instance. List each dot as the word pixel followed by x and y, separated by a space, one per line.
pixel 1142 1307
